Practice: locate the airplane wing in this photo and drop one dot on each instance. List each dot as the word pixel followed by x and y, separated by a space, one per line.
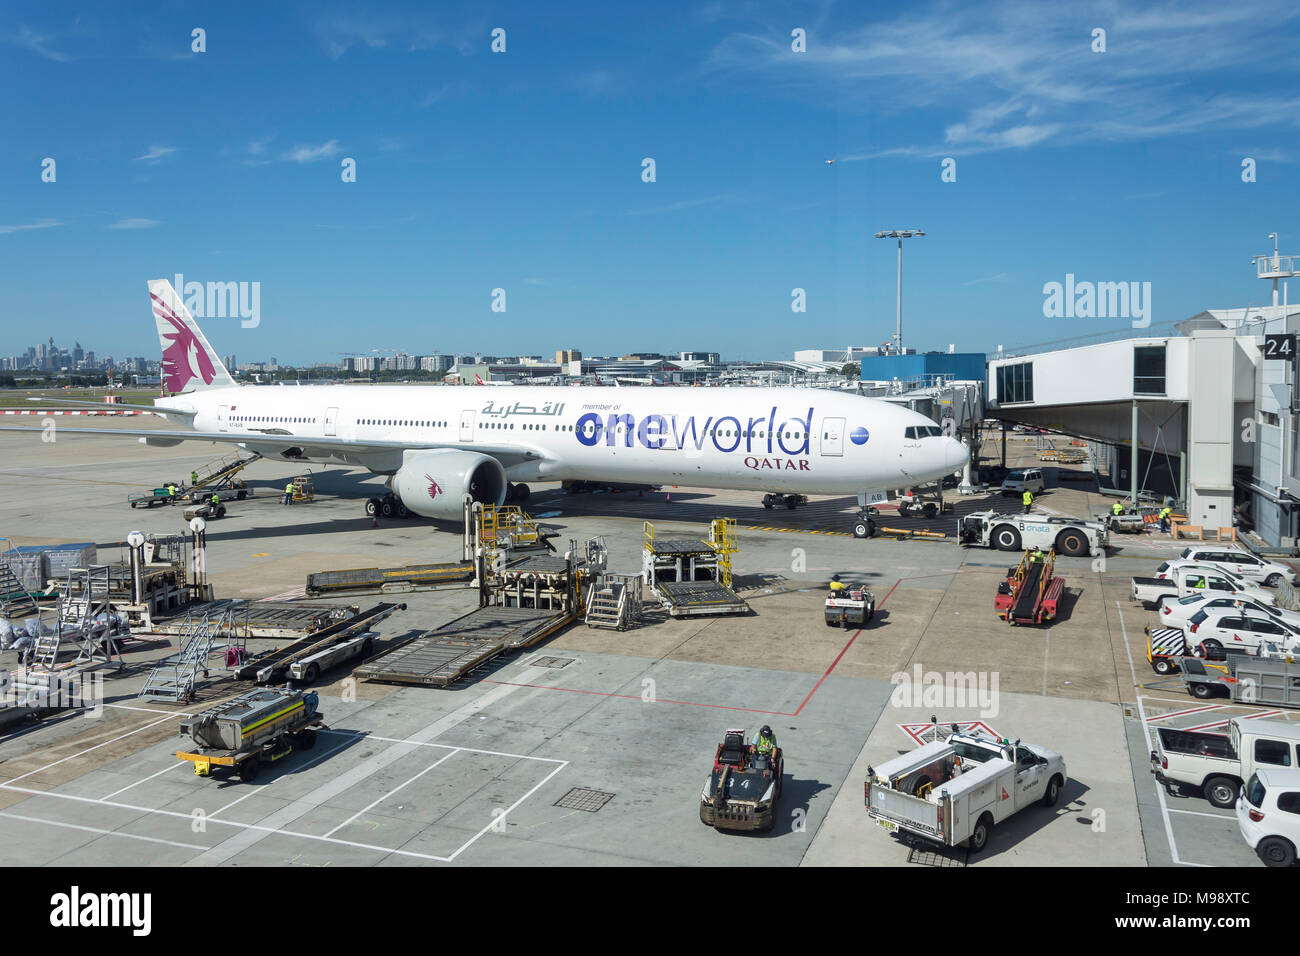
pixel 113 406
pixel 295 446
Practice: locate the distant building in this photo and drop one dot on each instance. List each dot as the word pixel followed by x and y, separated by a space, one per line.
pixel 565 356
pixel 854 353
pixel 708 358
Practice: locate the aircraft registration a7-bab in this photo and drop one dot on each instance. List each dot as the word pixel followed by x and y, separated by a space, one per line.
pixel 438 444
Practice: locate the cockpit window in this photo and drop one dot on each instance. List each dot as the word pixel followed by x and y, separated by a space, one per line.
pixel 922 431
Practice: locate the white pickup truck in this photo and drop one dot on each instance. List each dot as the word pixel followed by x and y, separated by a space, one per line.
pixel 956 790
pixel 1181 580
pixel 1216 764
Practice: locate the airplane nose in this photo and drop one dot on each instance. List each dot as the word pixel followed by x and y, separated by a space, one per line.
pixel 955 454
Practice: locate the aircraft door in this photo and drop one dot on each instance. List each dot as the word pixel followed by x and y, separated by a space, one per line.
pixel 832 440
pixel 467 425
pixel 331 421
pixel 223 415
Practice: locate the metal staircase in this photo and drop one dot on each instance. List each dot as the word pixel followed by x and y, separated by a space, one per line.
pixel 614 602
pixel 15 600
pixel 85 602
pixel 173 678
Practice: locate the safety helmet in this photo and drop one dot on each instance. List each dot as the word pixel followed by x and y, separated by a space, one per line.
pixel 835 577
pixel 765 730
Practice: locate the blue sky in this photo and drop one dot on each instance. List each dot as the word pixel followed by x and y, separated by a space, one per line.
pixel 522 170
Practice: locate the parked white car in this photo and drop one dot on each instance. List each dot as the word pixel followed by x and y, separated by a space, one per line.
pixel 1246 588
pixel 1177 612
pixel 1180 580
pixel 1243 632
pixel 1268 814
pixel 1240 561
pixel 1020 480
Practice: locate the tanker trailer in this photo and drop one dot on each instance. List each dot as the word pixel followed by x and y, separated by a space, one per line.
pixel 254 728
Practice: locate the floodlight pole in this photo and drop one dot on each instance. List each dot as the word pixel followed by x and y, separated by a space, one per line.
pixel 900 235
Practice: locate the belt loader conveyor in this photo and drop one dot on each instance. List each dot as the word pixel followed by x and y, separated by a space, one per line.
pixel 444 655
pixel 305 659
pixel 417 577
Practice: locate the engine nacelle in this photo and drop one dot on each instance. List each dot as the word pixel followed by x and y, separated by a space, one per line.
pixel 434 483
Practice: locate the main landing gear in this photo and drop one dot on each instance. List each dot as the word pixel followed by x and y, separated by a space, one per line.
pixel 387 506
pixel 771 501
pixel 516 493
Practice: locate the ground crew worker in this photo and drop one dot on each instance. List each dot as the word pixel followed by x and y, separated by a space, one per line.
pixel 1036 556
pixel 171 491
pixel 1117 509
pixel 194 477
pixel 216 499
pixel 1165 512
pixel 836 585
pixel 288 493
pixel 1028 499
pixel 765 742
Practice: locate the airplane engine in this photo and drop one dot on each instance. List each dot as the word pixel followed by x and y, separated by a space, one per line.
pixel 434 483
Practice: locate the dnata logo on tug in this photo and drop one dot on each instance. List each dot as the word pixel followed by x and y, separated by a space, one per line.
pixel 759 436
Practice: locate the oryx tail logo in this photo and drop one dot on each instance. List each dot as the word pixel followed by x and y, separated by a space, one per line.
pixel 434 488
pixel 183 358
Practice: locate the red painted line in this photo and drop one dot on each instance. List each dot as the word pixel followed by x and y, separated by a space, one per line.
pixel 689 703
pixel 889 592
pixel 818 685
pixel 1224 723
pixel 1183 713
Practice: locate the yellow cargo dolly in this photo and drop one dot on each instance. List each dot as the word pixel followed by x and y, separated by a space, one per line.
pixel 304 488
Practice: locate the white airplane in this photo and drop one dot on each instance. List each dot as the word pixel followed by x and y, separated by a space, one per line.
pixel 438 444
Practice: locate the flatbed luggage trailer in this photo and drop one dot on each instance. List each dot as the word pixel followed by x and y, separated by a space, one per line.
pixel 1245 679
pixel 252 729
pixel 1030 594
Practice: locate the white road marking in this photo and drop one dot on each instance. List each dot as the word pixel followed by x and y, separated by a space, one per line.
pixel 353 776
pixel 1213 816
pixel 145 780
pixel 507 810
pixel 96 747
pixel 1146 732
pixel 384 796
pixel 116 833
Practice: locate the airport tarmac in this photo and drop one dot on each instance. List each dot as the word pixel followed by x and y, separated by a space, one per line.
pixel 622 727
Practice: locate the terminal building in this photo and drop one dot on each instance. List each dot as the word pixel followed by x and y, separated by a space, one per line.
pixel 1205 415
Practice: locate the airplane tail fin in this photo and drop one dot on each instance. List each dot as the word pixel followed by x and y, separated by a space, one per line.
pixel 188 362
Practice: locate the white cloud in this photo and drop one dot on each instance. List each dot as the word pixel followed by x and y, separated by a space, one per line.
pixel 136 224
pixel 1000 277
pixel 998 76
pixel 38 43
pixel 681 204
pixel 156 154
pixel 38 224
pixel 340 33
pixel 310 154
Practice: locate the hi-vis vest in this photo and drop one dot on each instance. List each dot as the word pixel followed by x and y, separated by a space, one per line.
pixel 288 489
pixel 1027 497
